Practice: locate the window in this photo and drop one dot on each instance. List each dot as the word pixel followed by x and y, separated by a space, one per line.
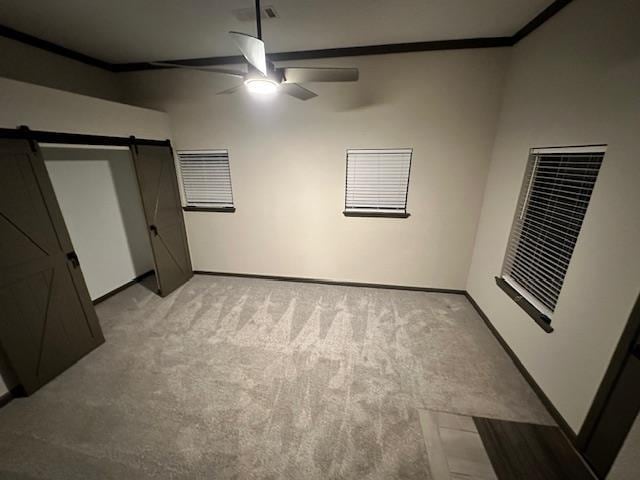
pixel 206 179
pixel 377 182
pixel 553 201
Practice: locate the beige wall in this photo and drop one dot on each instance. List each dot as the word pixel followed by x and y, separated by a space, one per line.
pixel 288 166
pixel 44 108
pixel 34 65
pixel 575 81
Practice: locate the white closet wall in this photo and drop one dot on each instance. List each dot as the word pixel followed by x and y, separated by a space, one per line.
pixel 100 202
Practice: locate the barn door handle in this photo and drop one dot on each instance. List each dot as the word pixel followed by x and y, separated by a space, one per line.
pixel 154 229
pixel 73 258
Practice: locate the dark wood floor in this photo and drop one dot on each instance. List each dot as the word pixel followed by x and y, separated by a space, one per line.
pixel 530 452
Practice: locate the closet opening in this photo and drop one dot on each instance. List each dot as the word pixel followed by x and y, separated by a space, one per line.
pixel 99 197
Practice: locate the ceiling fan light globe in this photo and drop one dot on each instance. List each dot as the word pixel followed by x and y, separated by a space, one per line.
pixel 261 86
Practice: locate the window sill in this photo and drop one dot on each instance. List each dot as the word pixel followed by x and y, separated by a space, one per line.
pixel 349 213
pixel 540 318
pixel 209 209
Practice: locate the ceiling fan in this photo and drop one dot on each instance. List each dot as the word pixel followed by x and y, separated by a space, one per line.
pixel 261 76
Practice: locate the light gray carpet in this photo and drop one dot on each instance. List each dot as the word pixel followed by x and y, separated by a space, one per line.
pixel 257 379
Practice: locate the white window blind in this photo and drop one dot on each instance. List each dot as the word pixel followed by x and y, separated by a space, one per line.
pixel 553 201
pixel 206 178
pixel 377 180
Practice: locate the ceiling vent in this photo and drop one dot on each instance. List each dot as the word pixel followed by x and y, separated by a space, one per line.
pixel 249 14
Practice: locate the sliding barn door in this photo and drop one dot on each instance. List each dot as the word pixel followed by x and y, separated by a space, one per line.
pixel 47 320
pixel 158 183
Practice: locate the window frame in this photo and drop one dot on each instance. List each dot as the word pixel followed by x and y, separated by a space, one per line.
pixel 186 207
pixel 540 313
pixel 370 212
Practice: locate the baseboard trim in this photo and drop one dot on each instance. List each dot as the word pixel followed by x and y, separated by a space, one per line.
pixel 557 416
pixel 322 281
pixel 138 279
pixel 5 398
pixel 15 392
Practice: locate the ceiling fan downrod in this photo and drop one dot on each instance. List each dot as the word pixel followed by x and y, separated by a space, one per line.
pixel 258 20
pixel 261 76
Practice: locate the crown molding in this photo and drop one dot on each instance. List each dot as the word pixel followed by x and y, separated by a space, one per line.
pixel 465 43
pixel 54 48
pixel 539 19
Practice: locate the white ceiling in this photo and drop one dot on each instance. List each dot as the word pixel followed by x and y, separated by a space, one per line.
pixel 120 31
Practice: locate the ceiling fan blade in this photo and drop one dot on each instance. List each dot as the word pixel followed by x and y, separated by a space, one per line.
pixel 312 74
pixel 297 91
pixel 226 71
pixel 253 50
pixel 231 90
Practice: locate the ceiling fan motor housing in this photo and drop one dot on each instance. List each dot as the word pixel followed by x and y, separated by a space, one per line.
pixel 274 74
